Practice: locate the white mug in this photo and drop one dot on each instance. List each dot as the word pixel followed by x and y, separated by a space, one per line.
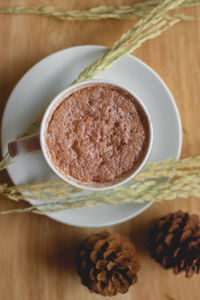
pixel 37 142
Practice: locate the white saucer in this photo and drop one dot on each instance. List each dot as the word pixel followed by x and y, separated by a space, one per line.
pixel 54 73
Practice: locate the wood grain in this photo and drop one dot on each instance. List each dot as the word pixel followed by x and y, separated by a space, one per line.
pixel 36 254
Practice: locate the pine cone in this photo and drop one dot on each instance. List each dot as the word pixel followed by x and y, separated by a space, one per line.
pixel 175 243
pixel 107 263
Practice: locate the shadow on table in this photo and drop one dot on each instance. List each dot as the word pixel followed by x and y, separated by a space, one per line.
pixel 62 258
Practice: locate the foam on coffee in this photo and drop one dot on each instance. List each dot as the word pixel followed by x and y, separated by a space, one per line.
pixel 98 133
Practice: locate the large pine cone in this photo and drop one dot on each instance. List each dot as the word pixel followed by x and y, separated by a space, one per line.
pixel 107 263
pixel 175 243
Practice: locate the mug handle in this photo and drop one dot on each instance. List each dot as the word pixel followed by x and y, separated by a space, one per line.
pixel 24 145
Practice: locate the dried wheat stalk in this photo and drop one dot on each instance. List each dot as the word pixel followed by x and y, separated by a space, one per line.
pixel 137 10
pixel 158 181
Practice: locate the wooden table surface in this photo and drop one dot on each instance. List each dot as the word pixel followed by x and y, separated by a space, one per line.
pixel 36 253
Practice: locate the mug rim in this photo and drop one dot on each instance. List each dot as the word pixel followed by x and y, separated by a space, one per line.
pixel 58 99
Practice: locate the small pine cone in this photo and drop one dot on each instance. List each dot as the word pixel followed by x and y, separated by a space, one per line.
pixel 175 243
pixel 108 263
